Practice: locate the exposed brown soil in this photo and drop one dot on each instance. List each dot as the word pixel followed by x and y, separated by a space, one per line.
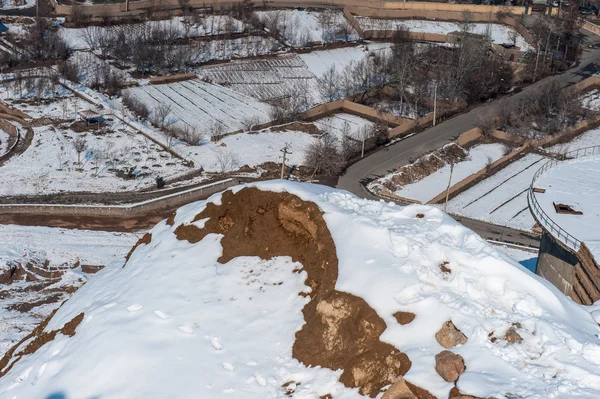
pixel 404 317
pixel 341 331
pixel 38 339
pixel 309 128
pixel 27 306
pixel 146 238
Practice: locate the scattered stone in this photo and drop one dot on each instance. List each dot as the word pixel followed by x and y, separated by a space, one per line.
pixel 420 215
pixel 404 317
pixel 444 268
pixel 449 336
pixel 449 365
pixel 512 336
pixel 399 390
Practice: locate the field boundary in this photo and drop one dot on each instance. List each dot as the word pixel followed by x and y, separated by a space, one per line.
pixel 120 211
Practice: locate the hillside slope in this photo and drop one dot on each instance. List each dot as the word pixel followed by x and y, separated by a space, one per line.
pixel 282 289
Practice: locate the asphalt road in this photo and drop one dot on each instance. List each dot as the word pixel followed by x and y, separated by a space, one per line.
pixel 397 155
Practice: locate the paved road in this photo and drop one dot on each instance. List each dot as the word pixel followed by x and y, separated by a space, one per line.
pixel 393 157
pixel 397 155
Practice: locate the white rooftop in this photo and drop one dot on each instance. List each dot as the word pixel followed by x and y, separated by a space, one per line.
pixel 575 183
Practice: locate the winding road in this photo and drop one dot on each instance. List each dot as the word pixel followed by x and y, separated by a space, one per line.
pixel 397 155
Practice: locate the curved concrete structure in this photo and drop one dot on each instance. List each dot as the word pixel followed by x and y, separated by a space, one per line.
pixel 563 199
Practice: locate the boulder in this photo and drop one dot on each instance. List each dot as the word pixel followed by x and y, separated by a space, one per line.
pixel 449 365
pixel 404 317
pixel 449 336
pixel 399 390
pixel 512 336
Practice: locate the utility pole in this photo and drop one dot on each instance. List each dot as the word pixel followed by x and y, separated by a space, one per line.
pixel 448 189
pixel 285 151
pixel 434 100
pixel 537 56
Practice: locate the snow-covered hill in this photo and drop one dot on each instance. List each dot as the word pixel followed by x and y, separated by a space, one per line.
pixel 282 289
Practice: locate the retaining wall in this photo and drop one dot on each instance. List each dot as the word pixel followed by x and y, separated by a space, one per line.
pixel 591 27
pixel 121 211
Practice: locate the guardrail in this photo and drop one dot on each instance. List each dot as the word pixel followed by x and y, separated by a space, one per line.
pixel 542 217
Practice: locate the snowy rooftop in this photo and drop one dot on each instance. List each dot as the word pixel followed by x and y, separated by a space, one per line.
pixel 575 183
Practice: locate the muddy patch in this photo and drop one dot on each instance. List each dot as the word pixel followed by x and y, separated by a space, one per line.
pixel 342 331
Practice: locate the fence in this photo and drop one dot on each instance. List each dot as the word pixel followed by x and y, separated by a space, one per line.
pixel 540 215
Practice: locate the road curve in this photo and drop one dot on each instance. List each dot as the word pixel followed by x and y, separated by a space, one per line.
pixel 390 158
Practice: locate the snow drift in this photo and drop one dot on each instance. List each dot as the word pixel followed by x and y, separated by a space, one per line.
pixel 282 289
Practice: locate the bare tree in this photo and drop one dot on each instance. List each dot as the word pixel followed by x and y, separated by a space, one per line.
pixel 329 84
pixel 80 146
pixel 227 160
pixel 217 131
pixel 323 156
pixel 161 115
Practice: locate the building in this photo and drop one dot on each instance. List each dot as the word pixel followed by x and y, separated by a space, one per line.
pixel 564 198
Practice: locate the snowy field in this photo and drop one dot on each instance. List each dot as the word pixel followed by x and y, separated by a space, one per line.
pixel 500 34
pixel 251 149
pixel 427 188
pixel 264 79
pixel 4 141
pixel 202 104
pixel 588 139
pixel 195 327
pixel 341 123
pixel 203 25
pixel 49 165
pixel 60 248
pixel 319 62
pixel 575 183
pixel 502 198
pixel 591 100
pixel 301 27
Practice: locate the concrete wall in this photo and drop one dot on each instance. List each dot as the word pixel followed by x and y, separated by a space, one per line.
pixel 111 9
pixel 556 264
pixel 574 274
pixel 591 27
pixel 469 136
pixel 168 201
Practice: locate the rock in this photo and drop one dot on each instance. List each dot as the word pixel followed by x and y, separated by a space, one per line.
pixel 404 317
pixel 399 390
pixel 444 268
pixel 512 336
pixel 449 365
pixel 449 336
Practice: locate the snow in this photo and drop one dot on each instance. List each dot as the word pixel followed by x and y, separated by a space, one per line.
pixel 500 34
pixel 319 62
pixel 60 248
pixel 591 100
pixel 65 245
pixel 49 163
pixel 250 149
pixel 501 198
pixel 590 138
pixel 336 123
pixel 526 257
pixel 202 104
pixel 430 186
pixel 205 25
pixel 575 183
pixel 300 27
pixel 176 323
pixel 4 142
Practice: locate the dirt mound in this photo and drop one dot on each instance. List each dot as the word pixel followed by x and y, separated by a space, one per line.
pixel 342 331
